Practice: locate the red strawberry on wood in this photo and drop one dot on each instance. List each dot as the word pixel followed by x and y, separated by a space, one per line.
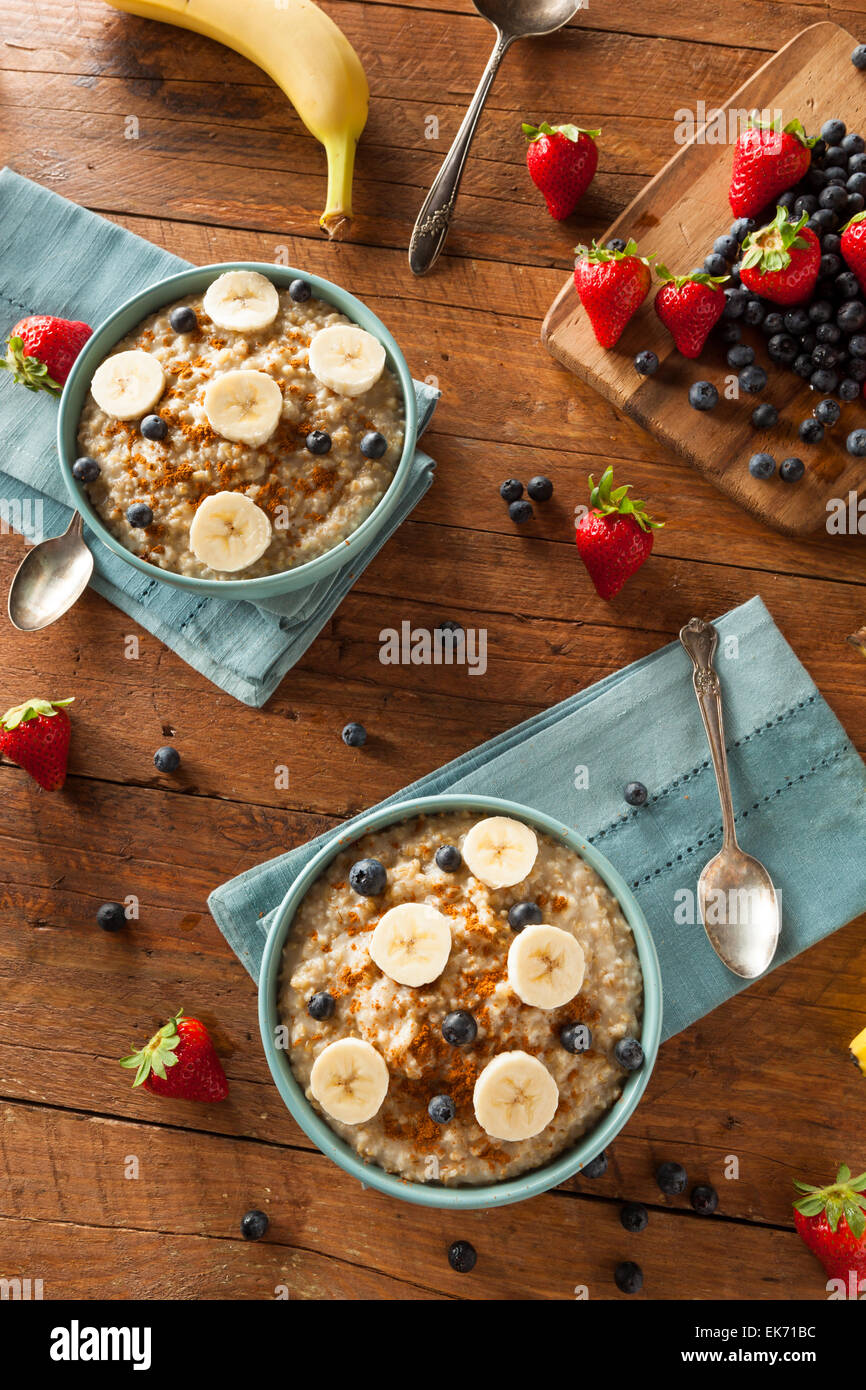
pixel 180 1061
pixel 611 286
pixel 36 736
pixel 615 536
pixel 782 260
pixel 854 247
pixel 689 306
pixel 562 160
pixel 767 161
pixel 832 1222
pixel 41 350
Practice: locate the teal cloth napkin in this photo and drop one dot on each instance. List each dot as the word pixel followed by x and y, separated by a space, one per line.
pixel 799 791
pixel 60 259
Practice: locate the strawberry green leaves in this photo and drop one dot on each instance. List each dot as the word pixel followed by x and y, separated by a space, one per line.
pixel 845 1198
pixel 156 1055
pixel 28 371
pixel 600 255
pixel 769 248
pixel 607 499
pixel 697 277
pixel 794 128
pixel 31 709
pixel 571 132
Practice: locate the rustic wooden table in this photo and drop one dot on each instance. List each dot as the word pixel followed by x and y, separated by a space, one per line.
pixel 222 169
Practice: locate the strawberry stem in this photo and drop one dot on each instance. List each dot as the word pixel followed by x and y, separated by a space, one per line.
pixel 605 499
pixel 158 1054
pixel 845 1197
pixel 571 132
pixel 770 247
pixel 32 709
pixel 28 371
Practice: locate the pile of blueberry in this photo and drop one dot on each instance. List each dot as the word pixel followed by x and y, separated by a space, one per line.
pixel 540 489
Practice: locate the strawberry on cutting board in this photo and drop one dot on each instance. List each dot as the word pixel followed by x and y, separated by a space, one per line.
pixel 781 261
pixel 615 536
pixel 36 736
pixel 179 1061
pixel 767 162
pixel 832 1222
pixel 562 160
pixel 854 247
pixel 41 350
pixel 689 306
pixel 611 286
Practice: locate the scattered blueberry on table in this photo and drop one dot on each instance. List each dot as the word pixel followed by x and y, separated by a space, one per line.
pixel 791 470
pixel 524 914
pixel 111 916
pixel 254 1224
pixel 762 465
pixel 596 1168
pixel 765 416
pixel 858 56
pixel 354 735
pixel 321 1006
pixel 166 759
pixel 704 1199
pixel 811 431
pixel 635 794
pixel 511 490
pixel 646 363
pixel 634 1217
pixel 539 488
pixel 752 380
pixel 628 1277
pixel 368 877
pixel 856 443
pixel 85 469
pixel 672 1178
pixel 462 1256
pixel 520 511
pixel 459 1028
pixel 703 395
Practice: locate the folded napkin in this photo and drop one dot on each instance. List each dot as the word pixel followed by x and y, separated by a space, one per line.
pixel 799 792
pixel 82 269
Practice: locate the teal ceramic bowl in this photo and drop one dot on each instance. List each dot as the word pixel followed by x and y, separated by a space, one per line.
pixel 195 281
pixel 435 1194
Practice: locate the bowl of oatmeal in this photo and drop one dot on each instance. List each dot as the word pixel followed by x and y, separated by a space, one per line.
pixel 238 429
pixel 460 1001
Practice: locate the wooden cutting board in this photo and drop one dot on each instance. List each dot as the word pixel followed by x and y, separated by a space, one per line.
pixel 678 216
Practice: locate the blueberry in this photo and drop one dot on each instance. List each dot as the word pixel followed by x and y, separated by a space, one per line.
pixel 740 355
pixel 847 285
pixel 856 203
pixel 736 300
pixel 511 490
pixel 802 365
pixel 596 1168
pixel 374 445
pixel 628 1277
pixel 459 1028
pixel 742 228
pixel 833 131
pixel 834 197
pixel 153 427
pixel 635 793
pixel 782 348
pixel 856 443
pixel 300 291
pixel 616 243
pixel 646 363
pixel 825 356
pixel 752 380
pixel 321 1006
pixel 735 277
pixel 796 322
pixel 629 1053
pixel 85 469
pixel 823 380
pixel 762 465
pixel 816 179
pixel 856 183
pixel 634 1217
pixel 139 515
pixel 730 332
pixel 851 316
pixel 703 395
pixel 183 319
pixel 831 244
pixel 111 916
pixel 448 859
pixel 775 323
pixel 525 914
pixel 837 173
pixel 835 158
pixel 849 390
pixel 856 368
pixel 822 221
pixel 540 489
pixel 575 1037
pixel 811 431
pixel 726 246
pixel 819 149
pixel 671 1178
pixel 318 442
pixel 449 625
pixel 166 759
pixel 520 511
pixel 716 264
pixel 765 416
pixel 355 735
pixel 441 1110
pixel 857 344
pixel 857 164
pixel 791 470
pixel 807 202
pixel 754 313
pixel 858 56
pixel 828 411
pixel 462 1256
pixel 253 1225
pixel 704 1199
pixel 368 877
pixel 853 143
pixel 824 333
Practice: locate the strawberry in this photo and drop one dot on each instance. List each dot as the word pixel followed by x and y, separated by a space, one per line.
pixel 36 736
pixel 854 246
pixel 832 1222
pixel 41 350
pixel 689 305
pixel 562 161
pixel 615 536
pixel 781 261
pixel 767 161
pixel 611 285
pixel 180 1061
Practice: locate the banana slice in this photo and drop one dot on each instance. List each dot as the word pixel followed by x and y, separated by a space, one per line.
pixel 411 943
pixel 229 532
pixel 350 1080
pixel 500 851
pixel 346 359
pixel 242 300
pixel 128 384
pixel 244 406
pixel 515 1096
pixel 546 966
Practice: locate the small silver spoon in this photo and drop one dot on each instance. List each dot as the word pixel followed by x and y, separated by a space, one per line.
pixel 512 19
pixel 738 903
pixel 50 579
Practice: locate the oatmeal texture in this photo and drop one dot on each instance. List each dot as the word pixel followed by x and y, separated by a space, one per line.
pixel 314 502
pixel 327 950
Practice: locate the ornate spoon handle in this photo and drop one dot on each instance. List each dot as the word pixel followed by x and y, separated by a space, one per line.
pixel 700 640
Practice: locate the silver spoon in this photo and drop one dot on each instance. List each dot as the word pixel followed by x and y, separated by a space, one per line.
pixel 512 19
pixel 738 903
pixel 50 579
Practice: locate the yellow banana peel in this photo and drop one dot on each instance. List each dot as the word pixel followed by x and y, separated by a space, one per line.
pixel 858 1051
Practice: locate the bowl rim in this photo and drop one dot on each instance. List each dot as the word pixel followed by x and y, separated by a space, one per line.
pixel 525 1185
pixel 106 336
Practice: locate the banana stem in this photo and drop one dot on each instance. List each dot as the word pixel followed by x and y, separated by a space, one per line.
pixel 341 164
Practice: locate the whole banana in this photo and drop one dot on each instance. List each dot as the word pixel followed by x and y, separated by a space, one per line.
pixel 305 53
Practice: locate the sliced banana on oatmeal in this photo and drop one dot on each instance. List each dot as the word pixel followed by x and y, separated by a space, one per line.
pixel 229 532
pixel 242 300
pixel 350 1080
pixel 244 406
pixel 546 966
pixel 500 851
pixel 515 1096
pixel 346 359
pixel 411 943
pixel 128 384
